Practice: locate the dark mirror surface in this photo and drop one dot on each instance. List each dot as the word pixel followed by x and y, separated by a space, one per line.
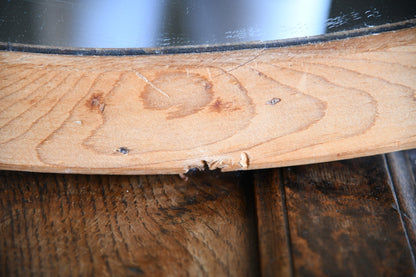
pixel 139 23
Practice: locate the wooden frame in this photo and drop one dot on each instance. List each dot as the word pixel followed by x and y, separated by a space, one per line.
pixel 232 110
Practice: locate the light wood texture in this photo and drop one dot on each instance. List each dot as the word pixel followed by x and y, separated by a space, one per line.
pixel 231 110
pixel 332 219
pixel 83 225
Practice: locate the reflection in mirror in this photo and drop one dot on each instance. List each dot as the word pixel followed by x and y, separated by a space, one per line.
pixel 115 24
pixel 139 23
pixel 222 22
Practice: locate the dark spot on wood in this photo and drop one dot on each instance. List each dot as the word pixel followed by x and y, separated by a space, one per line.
pixel 191 200
pixel 123 150
pixel 96 101
pixel 135 269
pixel 124 202
pixel 219 105
pixel 273 101
pixel 176 208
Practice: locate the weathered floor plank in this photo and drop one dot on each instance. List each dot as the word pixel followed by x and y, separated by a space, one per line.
pixel 411 154
pixel 338 218
pixel 341 217
pixel 274 241
pixel 120 225
pixel 404 188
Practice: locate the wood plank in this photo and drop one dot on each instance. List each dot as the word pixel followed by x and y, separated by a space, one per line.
pixel 247 109
pixel 404 188
pixel 341 218
pixel 411 155
pixel 75 225
pixel 274 242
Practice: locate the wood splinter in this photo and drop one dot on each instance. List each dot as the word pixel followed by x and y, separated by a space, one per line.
pixel 244 160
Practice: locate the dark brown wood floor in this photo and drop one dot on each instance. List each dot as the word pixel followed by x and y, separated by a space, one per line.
pixel 333 219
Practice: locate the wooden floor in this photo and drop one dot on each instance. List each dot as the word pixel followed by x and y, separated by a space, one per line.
pixel 332 219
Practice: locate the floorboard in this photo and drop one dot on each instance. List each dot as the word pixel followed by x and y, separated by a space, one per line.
pixel 345 218
pixel 342 220
pixel 71 225
pixel 404 188
pixel 274 242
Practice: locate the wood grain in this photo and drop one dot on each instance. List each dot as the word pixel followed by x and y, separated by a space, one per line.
pixel 332 219
pixel 411 158
pixel 342 220
pixel 85 225
pixel 233 110
pixel 404 187
pixel 273 229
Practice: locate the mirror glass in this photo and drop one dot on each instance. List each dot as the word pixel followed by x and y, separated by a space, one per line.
pixel 141 23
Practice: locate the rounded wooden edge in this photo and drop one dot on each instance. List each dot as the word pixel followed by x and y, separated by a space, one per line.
pixel 252 80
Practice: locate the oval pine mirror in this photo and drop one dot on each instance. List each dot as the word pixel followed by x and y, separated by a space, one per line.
pixel 139 87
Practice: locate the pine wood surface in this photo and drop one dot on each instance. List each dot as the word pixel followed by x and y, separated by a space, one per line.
pixel 331 219
pixel 247 109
